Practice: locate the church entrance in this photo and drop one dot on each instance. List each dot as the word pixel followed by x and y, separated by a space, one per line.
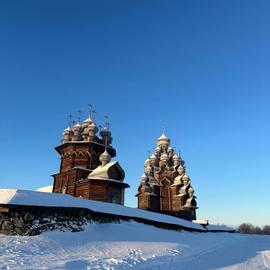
pixel 165 196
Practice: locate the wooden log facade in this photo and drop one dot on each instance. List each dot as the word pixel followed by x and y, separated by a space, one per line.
pixel 164 186
pixel 85 168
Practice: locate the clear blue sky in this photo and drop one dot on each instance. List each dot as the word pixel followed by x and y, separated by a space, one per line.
pixel 201 68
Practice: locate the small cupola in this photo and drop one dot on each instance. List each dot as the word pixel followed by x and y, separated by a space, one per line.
pixel 105 158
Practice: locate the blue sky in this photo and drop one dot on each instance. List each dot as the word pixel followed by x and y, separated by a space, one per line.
pixel 200 68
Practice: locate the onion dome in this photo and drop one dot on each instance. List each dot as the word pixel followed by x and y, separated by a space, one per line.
pixel 67 130
pixel 164 157
pixel 77 127
pixel 180 170
pixel 176 157
pixel 106 135
pixel 163 137
pixel 144 178
pixel 105 158
pixel 105 132
pixel 67 135
pixel 148 170
pixel 77 132
pixel 157 150
pixel 153 157
pixel 87 122
pixel 92 127
pixel 146 163
pixel 190 191
pixel 163 140
pixel 170 151
pixel 185 178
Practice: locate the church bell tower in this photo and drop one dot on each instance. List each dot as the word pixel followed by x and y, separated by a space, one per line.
pixel 86 169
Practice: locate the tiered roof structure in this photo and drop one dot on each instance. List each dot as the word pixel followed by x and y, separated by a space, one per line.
pixel 165 186
pixel 86 168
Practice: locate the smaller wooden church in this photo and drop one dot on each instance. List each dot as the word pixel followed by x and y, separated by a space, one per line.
pixel 86 168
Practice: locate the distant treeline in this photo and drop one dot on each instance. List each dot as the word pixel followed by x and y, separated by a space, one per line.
pixel 251 229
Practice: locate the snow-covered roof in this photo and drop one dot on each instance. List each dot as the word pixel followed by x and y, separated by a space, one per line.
pixel 223 228
pixel 103 172
pixel 46 189
pixel 201 221
pixel 33 198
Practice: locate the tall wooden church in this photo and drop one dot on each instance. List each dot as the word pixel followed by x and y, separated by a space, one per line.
pixel 164 186
pixel 86 169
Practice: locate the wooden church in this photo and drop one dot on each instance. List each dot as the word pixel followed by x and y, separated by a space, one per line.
pixel 164 186
pixel 86 169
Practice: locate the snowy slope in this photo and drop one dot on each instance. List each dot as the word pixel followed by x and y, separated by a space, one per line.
pixel 131 245
pixel 26 197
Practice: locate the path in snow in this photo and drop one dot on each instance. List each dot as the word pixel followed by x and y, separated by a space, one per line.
pixel 134 246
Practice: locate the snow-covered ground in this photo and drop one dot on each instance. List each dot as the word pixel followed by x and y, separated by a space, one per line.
pixel 131 245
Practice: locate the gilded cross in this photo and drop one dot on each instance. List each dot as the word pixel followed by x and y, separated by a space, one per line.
pixel 92 111
pixel 70 120
pixel 79 116
pixel 107 123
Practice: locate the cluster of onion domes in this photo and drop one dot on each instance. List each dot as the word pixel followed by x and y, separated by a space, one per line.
pixel 86 131
pixel 165 158
pixel 164 154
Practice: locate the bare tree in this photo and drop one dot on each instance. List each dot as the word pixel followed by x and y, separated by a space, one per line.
pixel 248 228
pixel 257 230
pixel 266 229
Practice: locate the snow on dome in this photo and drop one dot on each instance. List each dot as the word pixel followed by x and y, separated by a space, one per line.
pixel 105 157
pixel 144 177
pixel 77 126
pixel 163 140
pixel 87 122
pixel 67 131
pixel 105 132
pixel 185 177
pixel 93 126
pixel 163 137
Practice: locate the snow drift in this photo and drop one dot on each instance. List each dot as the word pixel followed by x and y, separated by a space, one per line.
pixel 131 245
